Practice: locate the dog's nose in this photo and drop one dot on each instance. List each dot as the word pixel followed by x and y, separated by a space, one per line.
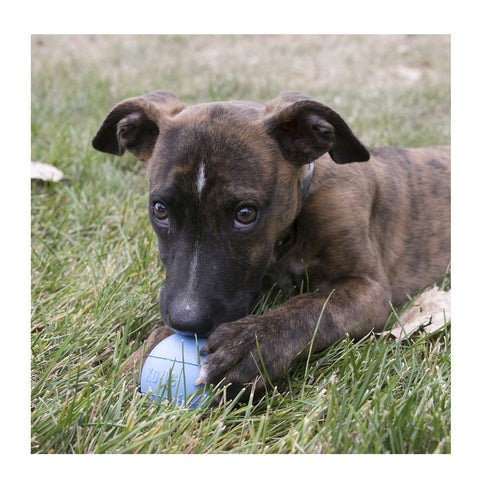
pixel 187 317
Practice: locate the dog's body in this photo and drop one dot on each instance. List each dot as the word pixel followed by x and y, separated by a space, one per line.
pixel 243 197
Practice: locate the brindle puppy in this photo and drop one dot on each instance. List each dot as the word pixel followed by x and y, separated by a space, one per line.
pixel 243 197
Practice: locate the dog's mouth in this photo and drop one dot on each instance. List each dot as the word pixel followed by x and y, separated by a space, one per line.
pixel 189 317
pixel 188 329
pixel 191 334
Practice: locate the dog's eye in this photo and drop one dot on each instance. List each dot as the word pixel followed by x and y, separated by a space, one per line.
pixel 245 216
pixel 160 211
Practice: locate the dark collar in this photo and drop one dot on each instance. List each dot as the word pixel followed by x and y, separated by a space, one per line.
pixel 285 243
pixel 307 179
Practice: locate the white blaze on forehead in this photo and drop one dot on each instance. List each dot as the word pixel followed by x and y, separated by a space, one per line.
pixel 201 178
pixel 188 298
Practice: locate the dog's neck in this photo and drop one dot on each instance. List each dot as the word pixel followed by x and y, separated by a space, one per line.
pixel 307 179
pixel 288 238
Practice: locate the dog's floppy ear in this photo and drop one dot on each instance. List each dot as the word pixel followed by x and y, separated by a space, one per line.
pixel 306 129
pixel 134 124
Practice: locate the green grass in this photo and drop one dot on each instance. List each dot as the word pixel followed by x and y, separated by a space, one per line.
pixel 95 271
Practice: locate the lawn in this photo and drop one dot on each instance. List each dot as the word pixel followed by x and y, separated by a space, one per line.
pixel 95 271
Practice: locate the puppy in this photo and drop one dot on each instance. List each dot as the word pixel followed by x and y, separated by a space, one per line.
pixel 244 197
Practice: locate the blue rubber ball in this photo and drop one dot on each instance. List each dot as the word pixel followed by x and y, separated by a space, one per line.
pixel 170 371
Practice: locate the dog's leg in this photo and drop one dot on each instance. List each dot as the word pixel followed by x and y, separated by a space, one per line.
pixel 357 306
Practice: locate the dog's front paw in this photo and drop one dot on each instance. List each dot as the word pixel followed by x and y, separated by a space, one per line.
pixel 243 353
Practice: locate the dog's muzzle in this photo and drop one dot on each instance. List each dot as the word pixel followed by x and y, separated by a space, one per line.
pixel 188 318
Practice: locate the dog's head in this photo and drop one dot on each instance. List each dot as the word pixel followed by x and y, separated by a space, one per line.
pixel 225 183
